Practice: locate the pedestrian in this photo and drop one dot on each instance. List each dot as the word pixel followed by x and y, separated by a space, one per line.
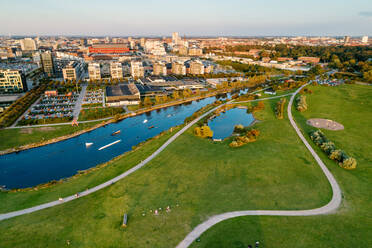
pixel 257 244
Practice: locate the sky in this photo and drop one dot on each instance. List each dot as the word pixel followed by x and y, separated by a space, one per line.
pixel 188 17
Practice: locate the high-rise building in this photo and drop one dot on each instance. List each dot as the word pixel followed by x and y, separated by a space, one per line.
pixel 196 67
pixel 12 81
pixel 136 69
pixel 159 68
pixel 176 40
pixel 142 42
pixel 178 68
pixel 47 63
pixel 365 39
pixel 28 44
pixel 347 39
pixel 94 71
pixel 72 71
pixel 116 70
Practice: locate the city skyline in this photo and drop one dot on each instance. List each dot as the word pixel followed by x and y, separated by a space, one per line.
pixel 160 18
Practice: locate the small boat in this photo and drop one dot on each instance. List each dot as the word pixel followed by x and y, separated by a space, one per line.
pixel 169 115
pixel 115 133
pixel 145 120
pixel 151 127
pixel 104 147
pixel 87 144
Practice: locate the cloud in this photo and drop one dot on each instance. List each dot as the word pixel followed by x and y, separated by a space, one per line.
pixel 365 13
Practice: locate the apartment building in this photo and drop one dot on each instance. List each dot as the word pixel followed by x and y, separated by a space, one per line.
pixel 196 67
pixel 12 81
pixel 136 69
pixel 94 71
pixel 28 44
pixel 72 71
pixel 116 70
pixel 47 63
pixel 159 68
pixel 195 51
pixel 178 68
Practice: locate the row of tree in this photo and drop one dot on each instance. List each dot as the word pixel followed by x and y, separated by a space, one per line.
pixel 11 114
pixel 279 109
pixel 301 104
pixel 332 152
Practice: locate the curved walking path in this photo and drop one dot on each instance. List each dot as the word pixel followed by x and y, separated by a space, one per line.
pixel 330 207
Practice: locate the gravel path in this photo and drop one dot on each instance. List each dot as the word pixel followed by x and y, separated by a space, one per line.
pixel 330 207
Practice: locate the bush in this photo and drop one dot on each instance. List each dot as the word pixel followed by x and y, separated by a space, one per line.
pixel 301 103
pixel 279 110
pixel 250 136
pixel 332 152
pixel 204 132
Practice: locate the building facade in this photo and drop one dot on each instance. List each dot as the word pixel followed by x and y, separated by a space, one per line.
pixel 124 94
pixel 94 71
pixel 108 48
pixel 12 81
pixel 72 71
pixel 195 51
pixel 196 67
pixel 47 63
pixel 136 69
pixel 28 44
pixel 159 68
pixel 178 68
pixel 116 70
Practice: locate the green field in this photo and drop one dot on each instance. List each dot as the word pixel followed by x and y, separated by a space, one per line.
pixel 16 137
pixel 351 226
pixel 194 176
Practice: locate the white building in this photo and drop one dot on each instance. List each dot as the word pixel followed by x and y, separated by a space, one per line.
pixel 94 71
pixel 159 68
pixel 136 69
pixel 155 47
pixel 72 71
pixel 365 39
pixel 116 70
pixel 28 44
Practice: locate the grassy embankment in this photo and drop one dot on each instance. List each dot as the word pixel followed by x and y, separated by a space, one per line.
pixel 194 176
pixel 351 226
pixel 22 136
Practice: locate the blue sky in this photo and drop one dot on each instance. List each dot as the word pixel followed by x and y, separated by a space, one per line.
pixel 188 17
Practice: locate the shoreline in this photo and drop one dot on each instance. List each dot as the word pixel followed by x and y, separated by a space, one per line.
pixel 103 123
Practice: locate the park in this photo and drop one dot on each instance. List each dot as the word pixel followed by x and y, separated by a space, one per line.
pixel 193 179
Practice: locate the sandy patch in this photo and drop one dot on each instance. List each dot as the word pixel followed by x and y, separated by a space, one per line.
pixel 45 129
pixel 326 124
pixel 26 131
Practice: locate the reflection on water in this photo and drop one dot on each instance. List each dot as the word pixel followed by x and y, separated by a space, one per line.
pixel 223 125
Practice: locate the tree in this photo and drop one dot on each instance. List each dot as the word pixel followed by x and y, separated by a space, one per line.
pixel 175 94
pixel 147 101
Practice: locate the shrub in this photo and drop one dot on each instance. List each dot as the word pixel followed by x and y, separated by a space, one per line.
pixel 204 132
pixel 279 110
pixel 301 103
pixel 332 152
pixel 250 136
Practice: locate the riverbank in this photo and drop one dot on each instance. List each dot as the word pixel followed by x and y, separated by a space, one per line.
pixel 103 123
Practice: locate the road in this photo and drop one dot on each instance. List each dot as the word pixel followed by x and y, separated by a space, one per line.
pixel 79 102
pixel 328 208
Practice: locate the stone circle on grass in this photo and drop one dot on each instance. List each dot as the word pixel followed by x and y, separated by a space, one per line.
pixel 326 124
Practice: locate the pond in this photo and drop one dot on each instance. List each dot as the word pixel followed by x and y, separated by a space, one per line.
pixel 223 125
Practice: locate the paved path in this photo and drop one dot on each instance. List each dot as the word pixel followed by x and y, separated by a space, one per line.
pixel 79 102
pixel 330 207
pixel 108 183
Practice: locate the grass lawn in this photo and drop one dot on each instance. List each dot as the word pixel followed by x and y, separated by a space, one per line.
pixel 351 226
pixel 18 137
pixel 99 113
pixel 193 176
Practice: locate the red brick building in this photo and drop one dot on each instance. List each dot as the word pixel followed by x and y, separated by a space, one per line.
pixel 108 48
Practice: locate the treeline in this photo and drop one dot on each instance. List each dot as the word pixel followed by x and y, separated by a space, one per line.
pixel 279 109
pixel 11 114
pixel 332 152
pixel 247 68
pixel 25 122
pixel 301 104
